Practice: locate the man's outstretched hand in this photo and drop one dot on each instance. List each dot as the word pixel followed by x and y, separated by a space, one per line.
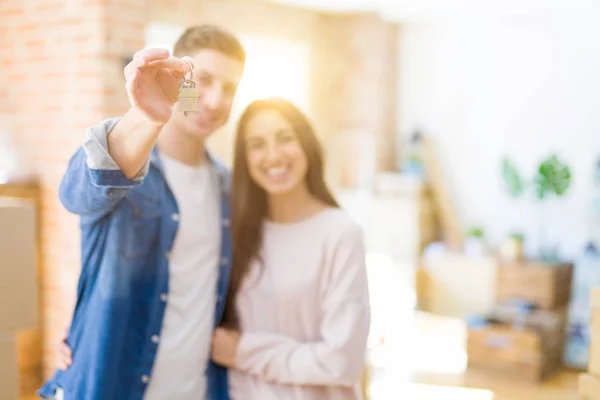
pixel 152 82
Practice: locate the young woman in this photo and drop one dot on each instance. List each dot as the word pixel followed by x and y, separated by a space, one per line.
pixel 297 318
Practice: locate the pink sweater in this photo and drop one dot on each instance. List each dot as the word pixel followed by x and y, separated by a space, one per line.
pixel 305 320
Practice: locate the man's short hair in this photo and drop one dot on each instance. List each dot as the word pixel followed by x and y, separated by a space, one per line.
pixel 210 37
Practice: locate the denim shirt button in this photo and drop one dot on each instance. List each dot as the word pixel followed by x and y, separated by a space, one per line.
pixel 154 338
pixel 175 217
pixel 163 297
pixel 145 379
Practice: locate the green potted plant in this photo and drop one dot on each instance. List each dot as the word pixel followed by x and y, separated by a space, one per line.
pixel 551 180
pixel 512 248
pixel 475 241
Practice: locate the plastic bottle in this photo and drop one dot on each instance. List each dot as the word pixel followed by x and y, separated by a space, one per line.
pixel 586 274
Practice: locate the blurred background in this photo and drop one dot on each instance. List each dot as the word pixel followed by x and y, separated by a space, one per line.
pixel 462 134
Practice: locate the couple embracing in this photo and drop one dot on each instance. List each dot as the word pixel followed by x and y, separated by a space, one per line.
pixel 201 285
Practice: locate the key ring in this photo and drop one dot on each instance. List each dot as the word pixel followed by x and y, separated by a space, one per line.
pixel 191 73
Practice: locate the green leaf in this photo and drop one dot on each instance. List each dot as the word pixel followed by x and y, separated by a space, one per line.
pixel 553 178
pixel 476 232
pixel 541 188
pixel 517 236
pixel 512 179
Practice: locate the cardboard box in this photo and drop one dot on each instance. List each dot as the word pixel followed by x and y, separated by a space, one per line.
pixel 525 346
pixel 456 285
pixel 546 285
pixel 18 268
pixel 589 387
pixel 29 355
pixel 9 377
pixel 594 358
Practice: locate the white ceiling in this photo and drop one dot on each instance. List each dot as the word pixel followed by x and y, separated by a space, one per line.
pixel 401 10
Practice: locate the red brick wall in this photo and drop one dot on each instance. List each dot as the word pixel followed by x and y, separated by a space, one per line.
pixel 53 87
pixel 61 69
pixel 7 61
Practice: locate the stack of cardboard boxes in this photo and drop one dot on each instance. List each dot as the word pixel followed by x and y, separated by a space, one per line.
pixel 589 383
pixel 18 286
pixel 523 335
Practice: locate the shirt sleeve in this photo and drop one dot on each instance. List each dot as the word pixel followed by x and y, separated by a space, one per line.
pixel 96 150
pixel 93 184
pixel 338 358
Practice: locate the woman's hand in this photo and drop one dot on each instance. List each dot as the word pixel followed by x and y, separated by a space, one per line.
pixel 64 357
pixel 225 343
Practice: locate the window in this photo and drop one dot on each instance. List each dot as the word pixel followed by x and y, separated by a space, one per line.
pixel 163 36
pixel 274 68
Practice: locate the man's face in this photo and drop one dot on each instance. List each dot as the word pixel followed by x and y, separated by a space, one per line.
pixel 216 76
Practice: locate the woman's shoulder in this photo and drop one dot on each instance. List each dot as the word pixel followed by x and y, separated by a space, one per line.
pixel 329 224
pixel 339 222
pixel 339 216
pixel 342 236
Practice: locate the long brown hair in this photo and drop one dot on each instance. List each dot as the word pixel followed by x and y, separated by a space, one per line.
pixel 249 201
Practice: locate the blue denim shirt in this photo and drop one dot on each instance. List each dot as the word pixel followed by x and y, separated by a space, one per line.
pixel 127 231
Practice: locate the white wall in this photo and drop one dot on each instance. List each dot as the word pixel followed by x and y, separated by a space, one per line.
pixel 523 86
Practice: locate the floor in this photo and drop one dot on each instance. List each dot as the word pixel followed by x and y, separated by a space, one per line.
pixel 433 366
pixel 423 356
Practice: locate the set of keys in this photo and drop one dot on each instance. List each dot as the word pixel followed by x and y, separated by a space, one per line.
pixel 188 96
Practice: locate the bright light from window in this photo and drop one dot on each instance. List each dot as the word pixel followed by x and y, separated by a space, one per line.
pixel 274 68
pixel 162 36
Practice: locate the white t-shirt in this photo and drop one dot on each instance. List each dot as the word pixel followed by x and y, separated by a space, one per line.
pixel 179 371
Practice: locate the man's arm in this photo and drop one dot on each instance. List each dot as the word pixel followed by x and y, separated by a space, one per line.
pixel 131 141
pixel 113 159
pixel 115 155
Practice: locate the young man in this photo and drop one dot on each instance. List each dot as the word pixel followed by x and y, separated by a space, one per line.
pixel 154 214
